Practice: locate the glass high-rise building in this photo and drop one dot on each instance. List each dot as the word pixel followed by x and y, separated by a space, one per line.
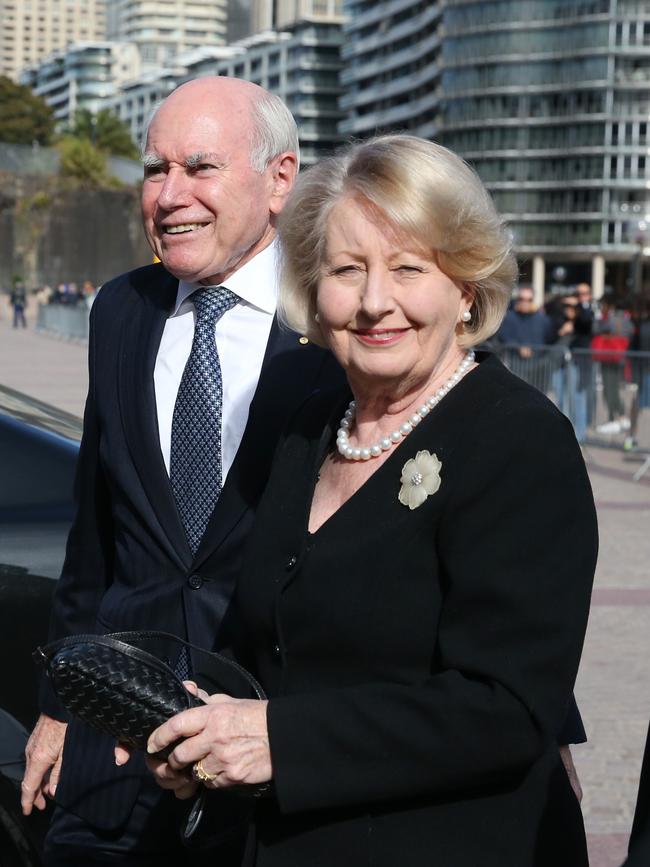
pixel 548 99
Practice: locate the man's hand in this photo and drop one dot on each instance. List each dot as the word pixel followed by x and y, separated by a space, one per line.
pixel 44 752
pixel 570 768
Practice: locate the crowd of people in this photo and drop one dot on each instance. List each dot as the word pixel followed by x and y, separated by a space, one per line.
pixel 573 343
pixel 68 294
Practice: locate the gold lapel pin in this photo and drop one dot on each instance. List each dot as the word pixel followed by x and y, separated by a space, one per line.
pixel 303 340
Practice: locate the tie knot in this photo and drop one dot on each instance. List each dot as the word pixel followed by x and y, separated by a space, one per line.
pixel 211 302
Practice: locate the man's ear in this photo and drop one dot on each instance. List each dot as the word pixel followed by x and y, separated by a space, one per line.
pixel 283 174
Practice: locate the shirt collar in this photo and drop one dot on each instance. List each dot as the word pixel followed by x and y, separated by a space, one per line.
pixel 256 282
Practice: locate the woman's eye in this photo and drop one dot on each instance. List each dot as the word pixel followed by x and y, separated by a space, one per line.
pixel 345 269
pixel 409 269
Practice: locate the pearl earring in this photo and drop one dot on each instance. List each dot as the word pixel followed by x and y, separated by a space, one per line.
pixel 316 317
pixel 466 316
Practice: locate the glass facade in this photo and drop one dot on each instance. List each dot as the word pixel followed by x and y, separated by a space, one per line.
pixel 549 101
pixel 391 66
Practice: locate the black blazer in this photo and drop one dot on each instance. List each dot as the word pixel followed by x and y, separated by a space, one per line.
pixel 420 663
pixel 128 564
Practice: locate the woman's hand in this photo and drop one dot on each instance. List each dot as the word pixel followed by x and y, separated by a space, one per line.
pixel 227 736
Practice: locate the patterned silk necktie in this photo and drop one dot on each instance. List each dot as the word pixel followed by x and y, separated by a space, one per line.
pixel 195 464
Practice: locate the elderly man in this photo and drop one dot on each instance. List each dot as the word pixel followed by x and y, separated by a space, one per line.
pixel 187 368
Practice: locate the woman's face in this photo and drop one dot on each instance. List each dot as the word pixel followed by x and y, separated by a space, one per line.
pixel 386 310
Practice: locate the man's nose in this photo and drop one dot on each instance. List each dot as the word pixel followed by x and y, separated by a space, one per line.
pixel 175 192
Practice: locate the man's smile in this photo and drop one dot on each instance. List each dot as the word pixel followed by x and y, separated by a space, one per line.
pixel 182 229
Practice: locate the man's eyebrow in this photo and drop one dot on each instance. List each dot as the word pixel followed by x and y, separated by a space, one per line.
pixel 194 160
pixel 152 161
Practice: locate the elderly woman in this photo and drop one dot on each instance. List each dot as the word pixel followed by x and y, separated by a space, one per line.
pixel 414 601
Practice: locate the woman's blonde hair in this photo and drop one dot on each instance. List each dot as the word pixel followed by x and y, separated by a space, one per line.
pixel 429 196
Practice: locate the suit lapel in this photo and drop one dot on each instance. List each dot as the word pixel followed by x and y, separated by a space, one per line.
pixel 144 325
pixel 289 373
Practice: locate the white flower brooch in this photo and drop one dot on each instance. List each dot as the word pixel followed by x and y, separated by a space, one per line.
pixel 420 478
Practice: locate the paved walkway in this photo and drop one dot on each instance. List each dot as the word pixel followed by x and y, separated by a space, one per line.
pixel 50 369
pixel 612 688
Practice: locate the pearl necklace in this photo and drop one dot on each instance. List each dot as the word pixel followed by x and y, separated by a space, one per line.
pixel 385 443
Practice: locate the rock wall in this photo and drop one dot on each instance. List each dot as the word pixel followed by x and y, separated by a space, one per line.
pixel 53 235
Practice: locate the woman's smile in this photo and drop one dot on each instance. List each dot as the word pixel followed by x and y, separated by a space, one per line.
pixel 379 336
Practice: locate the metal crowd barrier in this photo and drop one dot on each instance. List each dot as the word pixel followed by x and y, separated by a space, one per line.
pixel 64 320
pixel 605 394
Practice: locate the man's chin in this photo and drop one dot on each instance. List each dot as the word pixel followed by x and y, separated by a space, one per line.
pixel 184 271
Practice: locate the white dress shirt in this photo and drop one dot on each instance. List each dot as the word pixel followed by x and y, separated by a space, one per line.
pixel 241 334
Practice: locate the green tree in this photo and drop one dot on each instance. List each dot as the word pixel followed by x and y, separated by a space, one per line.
pixel 24 117
pixel 105 130
pixel 82 162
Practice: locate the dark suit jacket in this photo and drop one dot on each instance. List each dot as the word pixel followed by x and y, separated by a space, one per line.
pixel 420 662
pixel 128 564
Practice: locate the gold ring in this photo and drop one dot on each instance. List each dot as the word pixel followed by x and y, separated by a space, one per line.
pixel 199 773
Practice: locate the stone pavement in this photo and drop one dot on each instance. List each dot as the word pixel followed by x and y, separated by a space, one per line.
pixel 612 688
pixel 52 370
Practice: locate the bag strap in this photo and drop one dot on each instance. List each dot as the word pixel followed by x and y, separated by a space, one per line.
pixel 127 643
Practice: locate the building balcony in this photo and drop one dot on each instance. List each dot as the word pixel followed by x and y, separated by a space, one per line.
pixel 387 89
pixel 521 57
pixel 412 27
pixel 390 60
pixel 539 21
pixel 394 117
pixel 380 12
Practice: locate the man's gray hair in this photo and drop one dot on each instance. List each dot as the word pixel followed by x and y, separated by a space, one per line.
pixel 274 131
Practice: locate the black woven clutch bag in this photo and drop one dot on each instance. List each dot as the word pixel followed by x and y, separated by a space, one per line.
pixel 123 684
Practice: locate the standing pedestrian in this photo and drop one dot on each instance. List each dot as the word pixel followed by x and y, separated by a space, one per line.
pixel 18 301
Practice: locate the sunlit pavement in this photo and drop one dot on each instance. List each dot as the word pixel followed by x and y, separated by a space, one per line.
pixel 612 687
pixel 52 370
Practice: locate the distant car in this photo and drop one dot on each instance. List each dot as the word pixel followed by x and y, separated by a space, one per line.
pixel 38 453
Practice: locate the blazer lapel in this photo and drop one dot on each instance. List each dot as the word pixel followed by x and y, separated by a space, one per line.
pixel 140 341
pixel 289 372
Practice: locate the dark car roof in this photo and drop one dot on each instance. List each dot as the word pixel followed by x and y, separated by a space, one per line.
pixel 38 453
pixel 37 414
